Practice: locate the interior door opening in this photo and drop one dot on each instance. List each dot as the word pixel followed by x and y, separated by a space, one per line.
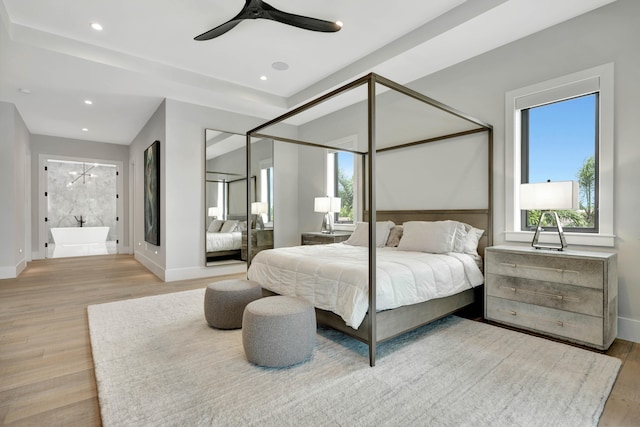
pixel 81 216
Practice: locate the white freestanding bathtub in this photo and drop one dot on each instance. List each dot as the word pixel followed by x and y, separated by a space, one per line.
pixel 78 241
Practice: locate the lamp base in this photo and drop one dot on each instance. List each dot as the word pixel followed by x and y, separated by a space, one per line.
pixel 536 236
pixel 327 224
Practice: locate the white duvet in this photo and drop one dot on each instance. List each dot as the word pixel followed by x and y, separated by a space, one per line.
pixel 335 277
pixel 224 241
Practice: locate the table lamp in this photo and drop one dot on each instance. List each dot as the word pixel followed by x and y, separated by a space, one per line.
pixel 327 205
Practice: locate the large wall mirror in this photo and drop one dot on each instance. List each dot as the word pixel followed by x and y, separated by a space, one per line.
pixel 227 231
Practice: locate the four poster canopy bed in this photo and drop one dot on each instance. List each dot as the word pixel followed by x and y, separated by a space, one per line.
pixel 425 262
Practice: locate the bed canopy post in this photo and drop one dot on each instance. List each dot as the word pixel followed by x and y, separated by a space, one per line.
pixel 371 187
pixel 248 208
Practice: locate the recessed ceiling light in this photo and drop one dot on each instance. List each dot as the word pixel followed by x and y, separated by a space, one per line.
pixel 85 130
pixel 280 66
pixel 88 101
pixel 96 26
pixel 263 77
pixel 24 90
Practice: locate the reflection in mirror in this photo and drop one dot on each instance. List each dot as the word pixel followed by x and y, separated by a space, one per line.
pixel 261 232
pixel 226 229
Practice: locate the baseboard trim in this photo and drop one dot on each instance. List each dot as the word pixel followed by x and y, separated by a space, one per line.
pixel 9 272
pixel 150 265
pixel 200 272
pixel 629 329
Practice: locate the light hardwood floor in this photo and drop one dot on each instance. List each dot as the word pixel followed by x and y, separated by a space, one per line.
pixel 46 368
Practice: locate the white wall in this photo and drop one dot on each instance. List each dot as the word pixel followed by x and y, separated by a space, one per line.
pixel 14 177
pixel 151 256
pixel 608 34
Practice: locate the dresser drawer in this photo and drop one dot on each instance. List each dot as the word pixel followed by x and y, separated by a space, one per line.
pixel 572 271
pixel 577 299
pixel 572 326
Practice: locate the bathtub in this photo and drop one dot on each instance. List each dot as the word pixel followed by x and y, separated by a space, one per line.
pixel 79 241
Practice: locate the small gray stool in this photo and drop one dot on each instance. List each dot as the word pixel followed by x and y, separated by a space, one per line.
pixel 224 302
pixel 278 331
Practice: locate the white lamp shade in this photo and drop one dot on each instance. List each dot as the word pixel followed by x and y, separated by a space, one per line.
pixel 213 211
pixel 258 208
pixel 561 195
pixel 326 204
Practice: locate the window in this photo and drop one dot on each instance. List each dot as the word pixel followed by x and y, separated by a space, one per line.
pixel 559 142
pixel 562 129
pixel 341 183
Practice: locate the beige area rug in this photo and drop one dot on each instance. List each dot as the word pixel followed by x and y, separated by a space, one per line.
pixel 157 363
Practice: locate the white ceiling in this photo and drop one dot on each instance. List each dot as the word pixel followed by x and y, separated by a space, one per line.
pixel 146 53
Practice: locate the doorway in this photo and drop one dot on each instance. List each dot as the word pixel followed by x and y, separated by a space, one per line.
pixel 80 207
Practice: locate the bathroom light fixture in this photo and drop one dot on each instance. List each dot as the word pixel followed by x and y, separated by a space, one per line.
pixel 549 197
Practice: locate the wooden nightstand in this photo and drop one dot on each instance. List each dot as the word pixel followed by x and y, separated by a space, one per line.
pixel 317 238
pixel 260 240
pixel 569 295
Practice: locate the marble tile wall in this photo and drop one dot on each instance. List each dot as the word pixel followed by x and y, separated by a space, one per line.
pixel 84 190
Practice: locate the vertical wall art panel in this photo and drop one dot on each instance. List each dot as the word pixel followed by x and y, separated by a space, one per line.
pixel 152 194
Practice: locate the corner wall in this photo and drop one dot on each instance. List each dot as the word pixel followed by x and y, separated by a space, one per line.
pixel 14 188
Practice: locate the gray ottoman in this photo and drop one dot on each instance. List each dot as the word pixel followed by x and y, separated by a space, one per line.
pixel 224 302
pixel 279 331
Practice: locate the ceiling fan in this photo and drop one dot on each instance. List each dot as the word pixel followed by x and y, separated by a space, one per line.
pixel 254 9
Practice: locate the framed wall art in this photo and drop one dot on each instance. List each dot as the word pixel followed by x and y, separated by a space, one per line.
pixel 152 194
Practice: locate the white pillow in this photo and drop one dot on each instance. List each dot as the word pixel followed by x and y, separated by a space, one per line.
pixel 229 226
pixel 215 225
pixel 428 236
pixel 460 236
pixel 360 236
pixel 471 242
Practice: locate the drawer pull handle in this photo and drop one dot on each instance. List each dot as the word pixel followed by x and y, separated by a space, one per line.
pixel 513 313
pixel 560 297
pixel 513 289
pixel 560 323
pixel 533 267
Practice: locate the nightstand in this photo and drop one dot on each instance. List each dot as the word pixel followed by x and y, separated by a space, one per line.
pixel 317 238
pixel 569 295
pixel 260 240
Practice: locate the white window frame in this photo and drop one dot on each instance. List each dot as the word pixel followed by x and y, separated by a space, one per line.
pixel 347 143
pixel 598 79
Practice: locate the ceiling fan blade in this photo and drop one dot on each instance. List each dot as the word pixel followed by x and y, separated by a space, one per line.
pixel 299 21
pixel 219 30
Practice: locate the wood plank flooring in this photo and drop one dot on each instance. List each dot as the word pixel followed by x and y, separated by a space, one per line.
pixel 46 367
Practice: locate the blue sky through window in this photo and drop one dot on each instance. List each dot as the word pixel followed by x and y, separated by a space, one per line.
pixel 561 137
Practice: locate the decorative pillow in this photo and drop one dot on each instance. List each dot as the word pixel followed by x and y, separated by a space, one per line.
pixel 360 236
pixel 460 236
pixel 242 226
pixel 395 234
pixel 229 226
pixel 214 226
pixel 428 236
pixel 471 242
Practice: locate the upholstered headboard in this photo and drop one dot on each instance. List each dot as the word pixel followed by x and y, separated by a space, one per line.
pixel 478 218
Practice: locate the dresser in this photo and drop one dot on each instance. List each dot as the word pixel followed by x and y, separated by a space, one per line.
pixel 569 295
pixel 318 238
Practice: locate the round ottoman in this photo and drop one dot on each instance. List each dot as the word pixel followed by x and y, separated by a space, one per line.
pixel 279 331
pixel 224 302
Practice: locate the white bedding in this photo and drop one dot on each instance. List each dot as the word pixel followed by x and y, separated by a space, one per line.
pixel 335 277
pixel 224 241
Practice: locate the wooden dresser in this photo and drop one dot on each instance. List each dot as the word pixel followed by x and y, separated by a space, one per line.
pixel 318 238
pixel 567 294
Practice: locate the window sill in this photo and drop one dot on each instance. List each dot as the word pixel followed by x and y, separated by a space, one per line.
pixel 577 239
pixel 344 227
